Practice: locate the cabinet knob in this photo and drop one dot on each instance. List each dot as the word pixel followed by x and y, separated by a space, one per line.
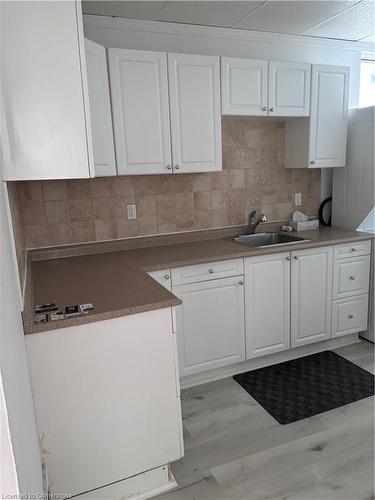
pixel 264 108
pixel 166 276
pixel 241 282
pixel 354 249
pixel 312 162
pixel 211 271
pixel 296 257
pixel 288 258
pixel 177 167
pixel 272 110
pixel 351 316
pixel 169 167
pixel 352 278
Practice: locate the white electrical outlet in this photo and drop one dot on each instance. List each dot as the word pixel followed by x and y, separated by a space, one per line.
pixel 297 199
pixel 132 211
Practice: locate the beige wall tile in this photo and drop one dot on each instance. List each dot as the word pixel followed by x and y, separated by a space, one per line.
pixel 81 210
pixel 55 190
pixel 79 189
pixel 83 231
pixel 146 205
pixel 184 202
pixel 37 236
pixel 105 229
pixel 253 177
pixel 57 211
pixel 60 234
pixel 147 225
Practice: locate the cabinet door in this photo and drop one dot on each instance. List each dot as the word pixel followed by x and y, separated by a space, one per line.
pixel 194 86
pixel 100 110
pixel 244 86
pixel 42 94
pixel 210 324
pixel 329 116
pixel 163 277
pixel 289 89
pixel 267 304
pixel 311 287
pixel 140 109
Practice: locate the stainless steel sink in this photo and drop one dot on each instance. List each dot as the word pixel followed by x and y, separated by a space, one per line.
pixel 268 239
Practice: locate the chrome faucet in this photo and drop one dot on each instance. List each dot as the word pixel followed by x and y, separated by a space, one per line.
pixel 253 223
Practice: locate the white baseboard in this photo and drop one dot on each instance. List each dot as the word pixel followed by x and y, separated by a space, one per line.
pixel 271 359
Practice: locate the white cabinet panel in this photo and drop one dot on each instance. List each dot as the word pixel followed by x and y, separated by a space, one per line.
pixel 42 89
pixel 329 116
pixel 100 110
pixel 118 397
pixel 140 108
pixel 351 277
pixel 289 89
pixel 349 315
pixel 354 249
pixel 207 271
pixel 311 291
pixel 162 276
pixel 194 86
pixel 267 304
pixel 244 86
pixel 210 324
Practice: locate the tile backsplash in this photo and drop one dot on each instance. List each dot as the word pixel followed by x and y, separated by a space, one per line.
pixel 253 177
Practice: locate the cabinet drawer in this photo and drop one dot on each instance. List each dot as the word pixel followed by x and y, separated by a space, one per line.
pixel 349 315
pixel 351 277
pixel 162 276
pixel 204 272
pixel 352 249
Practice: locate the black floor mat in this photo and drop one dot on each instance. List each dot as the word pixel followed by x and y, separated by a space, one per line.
pixel 303 387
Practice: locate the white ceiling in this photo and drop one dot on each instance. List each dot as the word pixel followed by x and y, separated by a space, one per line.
pixel 340 19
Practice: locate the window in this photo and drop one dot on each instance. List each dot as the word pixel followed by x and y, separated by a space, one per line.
pixel 367 83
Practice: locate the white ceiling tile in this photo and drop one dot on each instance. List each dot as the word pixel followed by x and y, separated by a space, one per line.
pixel 132 10
pixel 353 24
pixel 293 16
pixel 224 14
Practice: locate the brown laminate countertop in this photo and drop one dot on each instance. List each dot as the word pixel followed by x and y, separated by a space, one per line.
pixel 115 279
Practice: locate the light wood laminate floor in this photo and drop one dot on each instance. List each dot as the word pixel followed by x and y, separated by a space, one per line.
pixel 235 450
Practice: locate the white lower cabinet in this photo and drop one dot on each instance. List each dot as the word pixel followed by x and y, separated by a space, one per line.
pixel 349 315
pixel 210 324
pixel 267 304
pixel 311 292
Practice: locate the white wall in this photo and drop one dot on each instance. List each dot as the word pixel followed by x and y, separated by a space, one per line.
pixel 15 373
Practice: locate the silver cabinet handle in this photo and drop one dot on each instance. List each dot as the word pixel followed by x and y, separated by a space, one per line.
pixel 351 316
pixel 264 108
pixel 272 110
pixel 288 258
pixel 296 257
pixel 166 277
pixel 312 162
pixel 352 278
pixel 169 167
pixel 211 271
pixel 177 167
pixel 241 282
pixel 354 249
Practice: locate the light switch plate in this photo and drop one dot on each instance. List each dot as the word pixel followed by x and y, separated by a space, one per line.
pixel 131 211
pixel 297 199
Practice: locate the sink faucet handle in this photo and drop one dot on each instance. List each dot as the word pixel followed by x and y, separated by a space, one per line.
pixel 263 218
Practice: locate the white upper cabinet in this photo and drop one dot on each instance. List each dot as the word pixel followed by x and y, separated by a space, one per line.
pixel 244 86
pixel 42 86
pixel 140 106
pixel 267 304
pixel 265 88
pixel 194 86
pixel 289 89
pixel 320 141
pixel 100 110
pixel 329 116
pixel 311 293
